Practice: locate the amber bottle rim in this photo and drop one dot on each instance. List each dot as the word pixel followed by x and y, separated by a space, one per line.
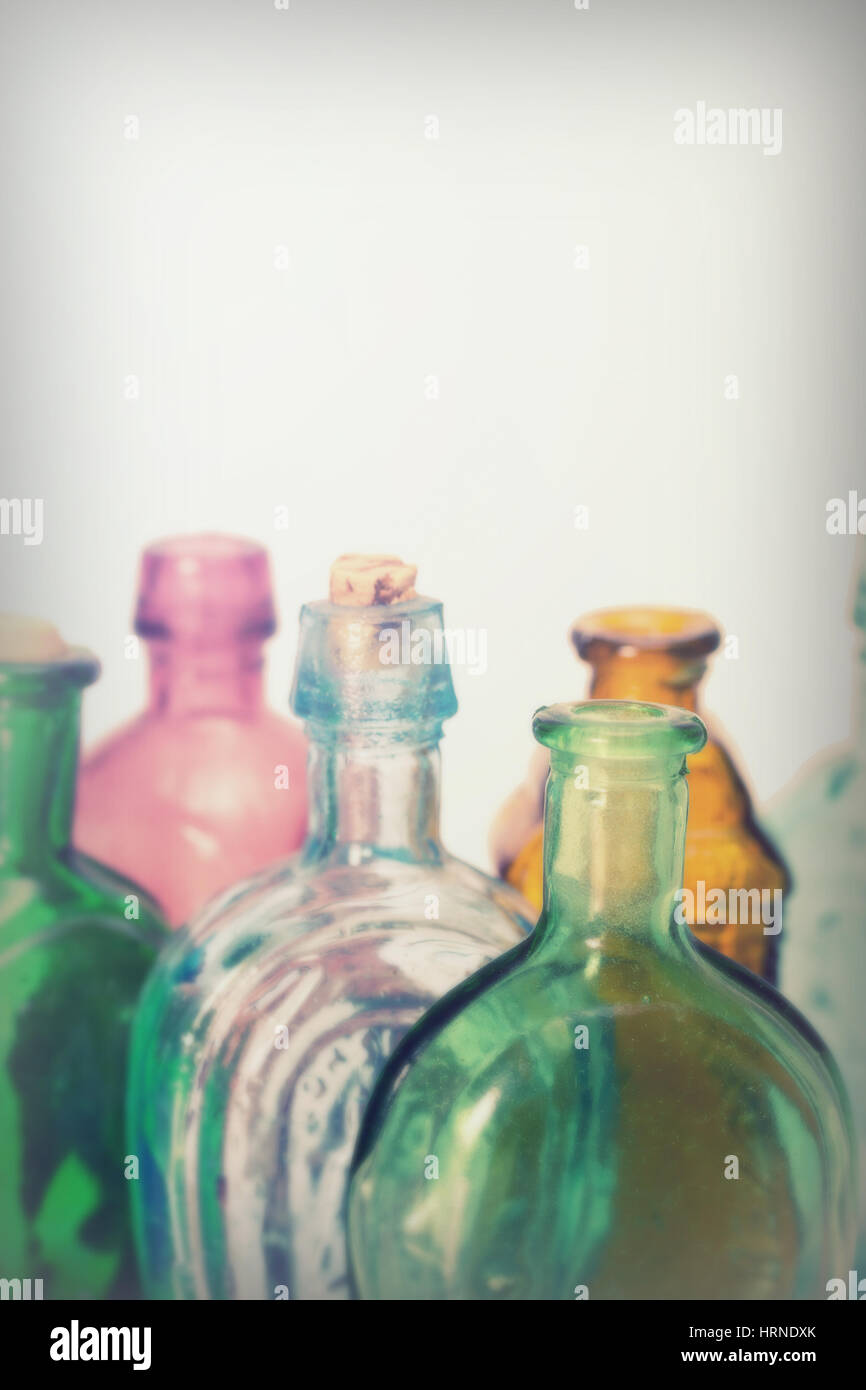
pixel 646 628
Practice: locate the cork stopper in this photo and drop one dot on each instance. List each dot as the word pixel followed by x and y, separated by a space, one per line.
pixel 366 581
pixel 29 640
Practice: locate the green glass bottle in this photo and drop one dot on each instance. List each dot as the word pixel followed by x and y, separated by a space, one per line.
pixel 611 1110
pixel 75 946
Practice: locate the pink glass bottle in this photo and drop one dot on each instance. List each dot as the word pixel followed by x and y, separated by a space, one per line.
pixel 206 785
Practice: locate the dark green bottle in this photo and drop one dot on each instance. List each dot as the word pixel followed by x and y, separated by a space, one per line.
pixel 76 943
pixel 611 1110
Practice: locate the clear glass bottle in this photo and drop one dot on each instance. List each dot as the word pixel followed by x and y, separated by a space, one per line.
pixel 206 785
pixel 264 1027
pixel 611 1110
pixel 660 655
pixel 76 943
pixel 821 825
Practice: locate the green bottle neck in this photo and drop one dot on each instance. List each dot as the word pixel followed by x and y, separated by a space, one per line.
pixel 614 843
pixel 38 757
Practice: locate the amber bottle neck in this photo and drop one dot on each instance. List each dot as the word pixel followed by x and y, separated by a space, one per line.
pixel 661 677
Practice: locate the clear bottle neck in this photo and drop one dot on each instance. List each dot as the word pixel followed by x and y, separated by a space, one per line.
pixel 38 761
pixel 188 679
pixel 369 800
pixel 614 843
pixel 373 695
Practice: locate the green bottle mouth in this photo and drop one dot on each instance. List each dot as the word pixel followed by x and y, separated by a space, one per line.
pixel 619 729
pixel 46 681
pixel 34 657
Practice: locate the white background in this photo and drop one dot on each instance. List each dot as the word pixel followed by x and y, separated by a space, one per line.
pixel 454 257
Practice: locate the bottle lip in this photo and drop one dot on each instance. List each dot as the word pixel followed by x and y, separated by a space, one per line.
pixel 76 667
pixel 646 628
pixel 380 667
pixel 208 587
pixel 619 730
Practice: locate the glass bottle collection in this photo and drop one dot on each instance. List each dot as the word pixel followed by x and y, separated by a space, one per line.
pixel 367 1069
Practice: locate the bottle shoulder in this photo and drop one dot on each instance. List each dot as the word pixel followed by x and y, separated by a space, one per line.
pixel 563 1097
pixel 782 1033
pixel 376 930
pixel 701 1018
pixel 832 785
pixel 355 888
pixel 76 895
pixel 167 775
pixel 501 896
pixel 185 739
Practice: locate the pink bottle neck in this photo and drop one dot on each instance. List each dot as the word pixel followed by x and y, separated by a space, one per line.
pixel 187 679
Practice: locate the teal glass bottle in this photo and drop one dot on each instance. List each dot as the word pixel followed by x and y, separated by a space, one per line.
pixel 612 1110
pixel 76 943
pixel 821 822
pixel 266 1022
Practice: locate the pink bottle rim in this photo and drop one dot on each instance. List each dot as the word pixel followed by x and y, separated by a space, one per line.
pixel 207 588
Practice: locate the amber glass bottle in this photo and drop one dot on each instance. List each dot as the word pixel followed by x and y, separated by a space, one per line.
pixel 660 655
